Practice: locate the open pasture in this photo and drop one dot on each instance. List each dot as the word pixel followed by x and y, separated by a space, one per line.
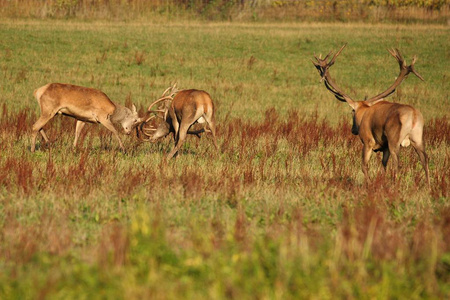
pixel 280 212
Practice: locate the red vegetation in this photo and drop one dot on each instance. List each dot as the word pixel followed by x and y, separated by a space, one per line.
pixel 289 156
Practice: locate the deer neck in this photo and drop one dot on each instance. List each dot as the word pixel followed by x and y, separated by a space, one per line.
pixel 360 111
pixel 119 113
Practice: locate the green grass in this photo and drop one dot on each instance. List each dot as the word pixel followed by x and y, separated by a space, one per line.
pixel 215 57
pixel 281 212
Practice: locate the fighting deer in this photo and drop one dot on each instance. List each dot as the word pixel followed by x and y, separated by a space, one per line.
pixel 85 105
pixel 381 125
pixel 179 110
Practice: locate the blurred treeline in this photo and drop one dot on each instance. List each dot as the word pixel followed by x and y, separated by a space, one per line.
pixel 428 11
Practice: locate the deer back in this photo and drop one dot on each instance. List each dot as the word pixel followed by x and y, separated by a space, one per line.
pixel 374 121
pixel 79 102
pixel 187 102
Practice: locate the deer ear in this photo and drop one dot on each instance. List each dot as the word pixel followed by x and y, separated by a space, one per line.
pixel 133 109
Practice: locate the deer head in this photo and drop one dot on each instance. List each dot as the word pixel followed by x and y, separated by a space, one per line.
pixel 127 118
pixel 146 131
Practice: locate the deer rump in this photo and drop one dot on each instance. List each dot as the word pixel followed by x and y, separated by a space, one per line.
pixel 178 114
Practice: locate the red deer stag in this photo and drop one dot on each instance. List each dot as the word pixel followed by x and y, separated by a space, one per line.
pixel 85 105
pixel 382 125
pixel 180 110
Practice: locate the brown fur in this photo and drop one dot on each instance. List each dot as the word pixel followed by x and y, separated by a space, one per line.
pixel 382 125
pixel 187 108
pixel 85 105
pixel 385 126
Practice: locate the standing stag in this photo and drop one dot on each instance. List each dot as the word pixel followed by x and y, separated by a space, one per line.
pixel 179 111
pixel 85 105
pixel 382 125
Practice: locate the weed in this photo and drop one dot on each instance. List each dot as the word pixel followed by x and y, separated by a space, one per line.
pixel 139 57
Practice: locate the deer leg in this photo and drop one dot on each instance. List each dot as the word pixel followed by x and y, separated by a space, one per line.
pixel 44 135
pixel 386 155
pixel 396 132
pixel 416 138
pixel 176 128
pixel 78 128
pixel 37 127
pixel 366 153
pixel 212 127
pixel 420 150
pixel 394 154
pixel 110 127
pixel 181 138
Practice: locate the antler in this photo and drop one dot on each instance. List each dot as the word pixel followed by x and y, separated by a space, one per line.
pixel 145 127
pixel 168 94
pixel 323 66
pixel 404 71
pixel 170 91
pixel 149 109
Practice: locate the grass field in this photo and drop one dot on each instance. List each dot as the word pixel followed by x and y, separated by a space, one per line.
pixel 281 212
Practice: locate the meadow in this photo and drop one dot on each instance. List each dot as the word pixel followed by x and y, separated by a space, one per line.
pixel 280 212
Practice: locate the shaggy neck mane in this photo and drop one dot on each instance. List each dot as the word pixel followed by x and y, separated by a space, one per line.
pixel 119 113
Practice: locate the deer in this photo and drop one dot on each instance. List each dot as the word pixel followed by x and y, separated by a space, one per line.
pixel 381 125
pixel 86 105
pixel 179 111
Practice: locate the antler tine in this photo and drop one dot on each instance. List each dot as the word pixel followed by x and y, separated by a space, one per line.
pixel 146 134
pixel 319 61
pixel 149 118
pixel 174 90
pixel 322 65
pixel 145 124
pixel 392 52
pixel 140 129
pixel 170 88
pixel 418 75
pixel 165 92
pixel 145 130
pixel 411 67
pixel 170 91
pixel 398 56
pixel 336 55
pixel 159 100
pixel 404 71
pixel 328 55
